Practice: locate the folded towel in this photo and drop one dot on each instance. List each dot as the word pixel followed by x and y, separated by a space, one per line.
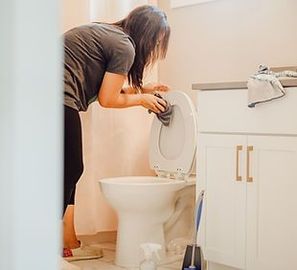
pixel 265 86
pixel 165 116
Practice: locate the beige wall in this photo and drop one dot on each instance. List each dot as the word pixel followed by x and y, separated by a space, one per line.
pixel 112 10
pixel 226 40
pixel 74 13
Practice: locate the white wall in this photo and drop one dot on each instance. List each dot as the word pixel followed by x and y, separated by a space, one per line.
pixel 31 135
pixel 226 40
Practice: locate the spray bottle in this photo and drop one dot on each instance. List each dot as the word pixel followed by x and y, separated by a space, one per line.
pixel 149 249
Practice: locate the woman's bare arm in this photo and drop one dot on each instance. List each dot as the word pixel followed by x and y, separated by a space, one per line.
pixel 110 95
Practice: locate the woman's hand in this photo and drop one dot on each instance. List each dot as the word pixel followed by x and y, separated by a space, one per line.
pixel 153 103
pixel 154 87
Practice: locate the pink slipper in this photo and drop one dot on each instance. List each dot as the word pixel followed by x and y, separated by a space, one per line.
pixel 81 253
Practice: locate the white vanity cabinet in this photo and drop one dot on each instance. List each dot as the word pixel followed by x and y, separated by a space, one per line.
pixel 272 204
pixel 224 226
pixel 247 164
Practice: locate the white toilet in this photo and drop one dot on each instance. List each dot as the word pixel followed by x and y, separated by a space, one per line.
pixel 144 203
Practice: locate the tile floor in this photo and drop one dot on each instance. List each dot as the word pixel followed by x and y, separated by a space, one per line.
pixel 107 262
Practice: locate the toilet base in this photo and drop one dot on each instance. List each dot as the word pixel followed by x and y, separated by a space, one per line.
pixel 143 205
pixel 131 234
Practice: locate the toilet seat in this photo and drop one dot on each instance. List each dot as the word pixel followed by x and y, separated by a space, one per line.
pixel 173 148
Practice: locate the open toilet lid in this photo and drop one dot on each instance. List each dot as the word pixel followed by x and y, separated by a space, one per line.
pixel 173 148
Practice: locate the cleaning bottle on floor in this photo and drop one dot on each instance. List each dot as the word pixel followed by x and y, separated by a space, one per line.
pixel 149 249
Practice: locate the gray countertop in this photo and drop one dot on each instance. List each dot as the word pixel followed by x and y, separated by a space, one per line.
pixel 243 84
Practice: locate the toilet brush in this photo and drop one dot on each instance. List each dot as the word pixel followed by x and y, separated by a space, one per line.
pixel 192 266
pixel 193 259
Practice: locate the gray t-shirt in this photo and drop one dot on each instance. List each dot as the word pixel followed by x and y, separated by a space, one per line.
pixel 90 51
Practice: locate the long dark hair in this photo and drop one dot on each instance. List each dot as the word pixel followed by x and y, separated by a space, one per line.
pixel 148 27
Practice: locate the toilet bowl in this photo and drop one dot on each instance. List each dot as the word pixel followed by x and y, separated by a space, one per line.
pixel 144 203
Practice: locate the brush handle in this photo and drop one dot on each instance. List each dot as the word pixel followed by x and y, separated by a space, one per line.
pixel 198 213
pixel 193 256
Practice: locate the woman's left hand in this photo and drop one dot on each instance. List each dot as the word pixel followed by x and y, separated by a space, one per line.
pixel 154 87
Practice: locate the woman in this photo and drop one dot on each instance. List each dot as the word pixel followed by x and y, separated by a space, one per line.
pixel 99 57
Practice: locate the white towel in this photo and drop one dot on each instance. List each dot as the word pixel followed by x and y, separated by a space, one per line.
pixel 265 86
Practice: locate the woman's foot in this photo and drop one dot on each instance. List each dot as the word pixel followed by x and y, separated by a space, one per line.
pixel 82 253
pixel 72 250
pixel 71 244
pixel 69 236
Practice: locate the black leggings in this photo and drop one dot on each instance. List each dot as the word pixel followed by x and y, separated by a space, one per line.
pixel 73 157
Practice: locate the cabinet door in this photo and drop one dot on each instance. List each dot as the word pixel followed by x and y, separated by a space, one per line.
pixel 223 230
pixel 272 204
